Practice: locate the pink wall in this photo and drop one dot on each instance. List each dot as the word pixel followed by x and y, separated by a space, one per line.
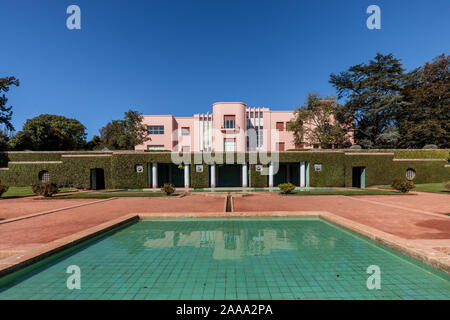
pixel 163 139
pixel 283 136
pixel 220 109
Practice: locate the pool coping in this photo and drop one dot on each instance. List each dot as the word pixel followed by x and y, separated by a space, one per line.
pixel 437 259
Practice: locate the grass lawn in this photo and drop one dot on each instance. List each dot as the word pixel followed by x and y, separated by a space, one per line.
pixel 18 192
pixel 106 195
pixel 425 187
pixel 361 192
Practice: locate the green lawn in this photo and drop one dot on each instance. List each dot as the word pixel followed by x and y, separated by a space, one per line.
pixel 18 192
pixel 425 187
pixel 349 192
pixel 106 195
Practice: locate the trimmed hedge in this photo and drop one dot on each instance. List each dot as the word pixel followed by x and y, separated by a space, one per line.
pixel 421 154
pixel 120 167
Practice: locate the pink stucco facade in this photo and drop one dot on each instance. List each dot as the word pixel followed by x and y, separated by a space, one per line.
pixel 231 126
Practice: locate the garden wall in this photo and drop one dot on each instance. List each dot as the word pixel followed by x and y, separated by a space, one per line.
pixel 73 168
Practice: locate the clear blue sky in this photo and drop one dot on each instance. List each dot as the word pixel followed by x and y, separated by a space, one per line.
pixel 178 57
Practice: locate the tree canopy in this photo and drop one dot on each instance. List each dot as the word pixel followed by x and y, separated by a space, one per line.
pixel 6 112
pixel 49 133
pixel 425 118
pixel 316 121
pixel 372 94
pixel 124 134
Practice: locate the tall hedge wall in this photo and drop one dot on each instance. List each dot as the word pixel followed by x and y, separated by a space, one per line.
pixel 119 167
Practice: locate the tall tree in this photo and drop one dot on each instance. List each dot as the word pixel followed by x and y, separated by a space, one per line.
pixel 49 133
pixel 426 117
pixel 124 134
pixel 316 122
pixel 5 112
pixel 372 99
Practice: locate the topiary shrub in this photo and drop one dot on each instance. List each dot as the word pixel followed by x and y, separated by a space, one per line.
pixel 403 185
pixel 3 189
pixel 46 189
pixel 430 146
pixel 447 185
pixel 168 189
pixel 356 147
pixel 286 188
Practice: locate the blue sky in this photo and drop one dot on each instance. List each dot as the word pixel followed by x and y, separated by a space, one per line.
pixel 178 57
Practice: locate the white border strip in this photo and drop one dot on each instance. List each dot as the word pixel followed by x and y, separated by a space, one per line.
pixel 35 162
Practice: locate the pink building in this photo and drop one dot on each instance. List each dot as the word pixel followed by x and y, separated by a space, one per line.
pixel 230 127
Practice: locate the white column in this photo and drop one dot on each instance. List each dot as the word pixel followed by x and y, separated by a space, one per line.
pixel 302 174
pixel 271 175
pixel 244 175
pixel 186 176
pixel 213 175
pixel 154 175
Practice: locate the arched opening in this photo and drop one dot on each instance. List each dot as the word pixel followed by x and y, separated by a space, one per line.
pixel 44 176
pixel 410 173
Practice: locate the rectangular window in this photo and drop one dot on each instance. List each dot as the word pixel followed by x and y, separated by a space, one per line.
pixel 155 129
pixel 229 122
pixel 229 145
pixel 185 131
pixel 156 147
pixel 280 146
pixel 280 126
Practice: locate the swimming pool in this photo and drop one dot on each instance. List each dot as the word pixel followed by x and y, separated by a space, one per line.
pixel 234 258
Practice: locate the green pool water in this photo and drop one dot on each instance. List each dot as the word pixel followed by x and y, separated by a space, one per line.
pixel 239 258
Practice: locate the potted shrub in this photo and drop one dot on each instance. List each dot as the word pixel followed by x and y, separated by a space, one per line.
pixel 3 189
pixel 46 189
pixel 168 189
pixel 286 188
pixel 403 185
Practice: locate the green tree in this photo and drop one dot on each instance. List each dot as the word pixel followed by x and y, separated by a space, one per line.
pixel 372 94
pixel 96 143
pixel 426 117
pixel 6 112
pixel 124 134
pixel 316 122
pixel 49 133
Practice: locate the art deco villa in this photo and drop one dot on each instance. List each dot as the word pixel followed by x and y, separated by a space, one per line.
pixel 230 127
